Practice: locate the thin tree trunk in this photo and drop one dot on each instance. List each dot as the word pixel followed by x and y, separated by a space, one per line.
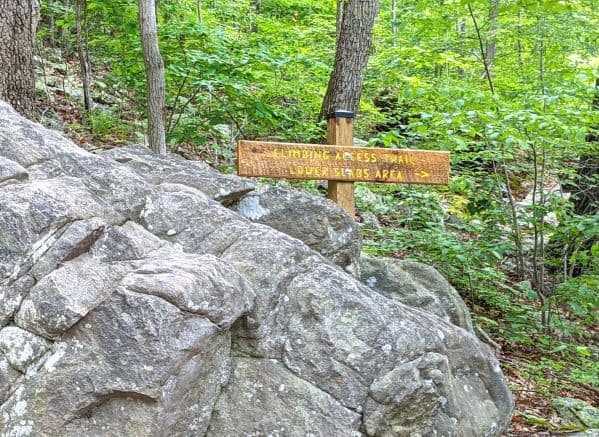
pixel 84 63
pixel 154 76
pixel 483 53
pixel 543 289
pixel 18 26
pixel 460 27
pixel 394 19
pixel 352 50
pixel 64 31
pixel 517 236
pixel 491 48
pixel 536 280
pixel 52 26
pixel 539 220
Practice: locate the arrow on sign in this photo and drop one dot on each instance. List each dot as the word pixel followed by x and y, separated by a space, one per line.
pixel 423 174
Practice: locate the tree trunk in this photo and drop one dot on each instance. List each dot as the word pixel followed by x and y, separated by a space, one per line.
pixel 339 21
pixel 199 10
pixel 18 25
pixel 491 48
pixel 460 27
pixel 394 19
pixel 351 57
pixel 483 52
pixel 84 64
pixel 154 76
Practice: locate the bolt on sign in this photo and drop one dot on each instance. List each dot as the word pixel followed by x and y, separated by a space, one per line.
pixel 340 163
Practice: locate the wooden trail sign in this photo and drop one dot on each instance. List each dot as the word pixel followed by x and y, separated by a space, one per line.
pixel 340 163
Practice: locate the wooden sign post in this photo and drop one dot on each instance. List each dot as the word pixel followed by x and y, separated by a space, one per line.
pixel 340 131
pixel 340 163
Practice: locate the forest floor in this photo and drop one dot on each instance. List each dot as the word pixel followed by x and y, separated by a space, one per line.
pixel 533 413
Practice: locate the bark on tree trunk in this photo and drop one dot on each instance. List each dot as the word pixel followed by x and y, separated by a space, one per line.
pixel 492 35
pixel 352 50
pixel 154 76
pixel 18 25
pixel 340 8
pixel 84 63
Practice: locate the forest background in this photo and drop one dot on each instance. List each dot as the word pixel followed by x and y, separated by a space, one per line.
pixel 508 86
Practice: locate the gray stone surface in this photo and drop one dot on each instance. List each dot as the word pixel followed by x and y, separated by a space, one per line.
pixel 11 170
pixel 416 285
pixel 336 333
pixel 260 388
pixel 11 295
pixel 21 348
pixel 182 317
pixel 320 223
pixel 34 214
pixel 64 296
pixel 9 378
pixel 177 170
pixel 201 285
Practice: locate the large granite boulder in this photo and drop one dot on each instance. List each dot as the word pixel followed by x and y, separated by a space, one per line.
pixel 416 285
pixel 321 224
pixel 133 303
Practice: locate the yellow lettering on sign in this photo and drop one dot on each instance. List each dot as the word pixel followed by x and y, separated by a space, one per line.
pixel 347 170
pixel 316 155
pixel 367 157
pixel 309 171
pixel 393 175
pixel 390 158
pixel 342 163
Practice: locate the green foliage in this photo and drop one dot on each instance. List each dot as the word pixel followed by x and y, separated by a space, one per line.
pixel 106 126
